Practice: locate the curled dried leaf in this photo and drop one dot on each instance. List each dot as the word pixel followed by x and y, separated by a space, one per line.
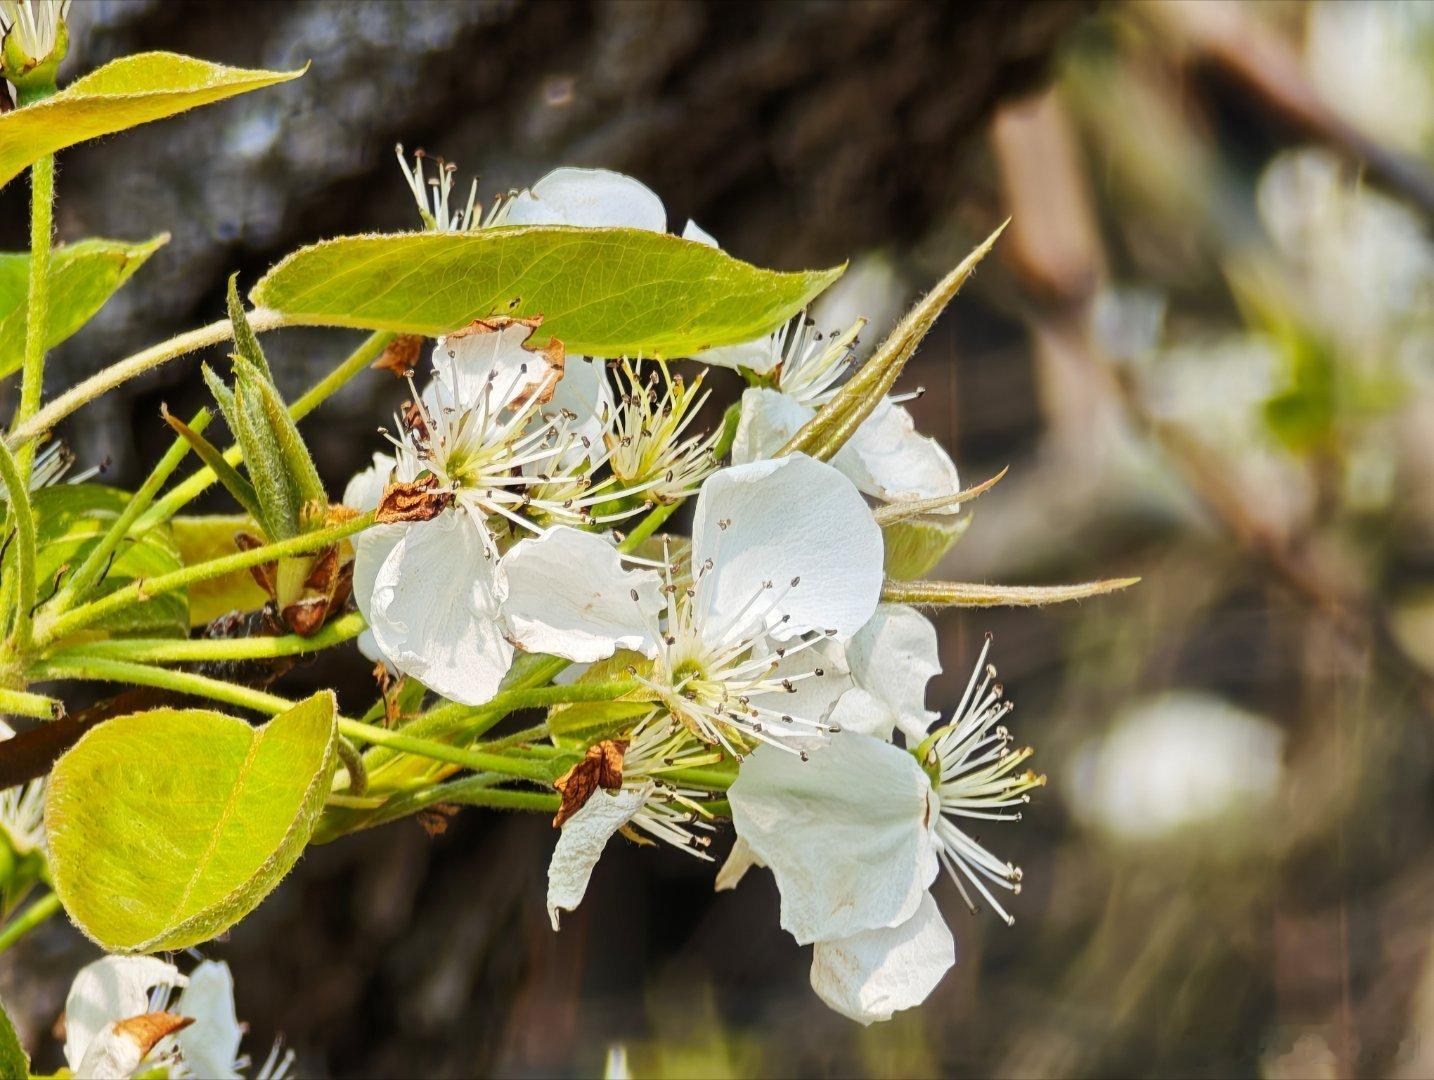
pixel 601 767
pixel 413 501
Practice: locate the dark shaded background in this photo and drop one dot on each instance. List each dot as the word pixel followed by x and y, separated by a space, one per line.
pixel 1285 936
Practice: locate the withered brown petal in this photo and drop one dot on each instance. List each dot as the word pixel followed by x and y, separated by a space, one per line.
pixel 400 356
pixel 601 767
pixel 306 616
pixel 412 501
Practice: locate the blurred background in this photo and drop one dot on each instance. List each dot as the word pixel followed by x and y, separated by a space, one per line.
pixel 1205 347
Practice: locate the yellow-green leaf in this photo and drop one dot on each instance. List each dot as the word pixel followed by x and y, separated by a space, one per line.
pixel 83 277
pixel 602 292
pixel 167 827
pixel 123 94
pixel 200 539
pixel 13 1059
pixel 915 545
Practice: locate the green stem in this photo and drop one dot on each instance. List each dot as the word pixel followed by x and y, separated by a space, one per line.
pixel 142 590
pixel 27 920
pixel 19 703
pixel 182 650
pixel 647 526
pixel 193 486
pixel 42 209
pixel 119 373
pixel 476 760
pixel 711 779
pixel 24 521
pixel 506 799
pixel 78 666
pixel 83 579
pixel 473 721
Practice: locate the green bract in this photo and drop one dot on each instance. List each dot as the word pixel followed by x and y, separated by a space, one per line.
pixel 123 94
pixel 913 547
pixel 70 519
pixel 602 292
pixel 83 277
pixel 578 725
pixel 167 827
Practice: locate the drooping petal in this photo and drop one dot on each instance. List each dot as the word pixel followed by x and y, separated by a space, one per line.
pixel 739 860
pixel 110 989
pixel 869 976
pixel 848 833
pixel 364 491
pixel 888 459
pixel 696 233
pixel 435 611
pixel 570 595
pixel 581 842
pixel 119 1049
pixel 371 548
pixel 792 544
pixel 593 198
pixel 893 657
pixel 210 1045
pixel 488 363
pixel 769 419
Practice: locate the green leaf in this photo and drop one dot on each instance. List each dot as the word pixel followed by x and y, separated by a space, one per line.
pixel 602 292
pixel 14 1062
pixel 167 827
pixel 83 277
pixel 579 725
pixel 69 521
pixel 123 94
pixel 200 539
pixel 211 455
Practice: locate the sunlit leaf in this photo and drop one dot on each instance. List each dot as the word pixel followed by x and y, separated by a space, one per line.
pixel 915 546
pixel 13 1059
pixel 167 827
pixel 125 93
pixel 200 539
pixel 70 519
pixel 602 292
pixel 83 277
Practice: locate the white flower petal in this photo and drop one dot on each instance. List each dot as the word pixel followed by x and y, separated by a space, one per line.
pixel 593 198
pixel 110 989
pixel 210 1045
pixel 371 548
pixel 893 657
pixel 581 842
pixel 435 608
pixel 769 419
pixel 847 833
pixel 865 714
pixel 584 391
pixel 112 1055
pixel 478 364
pixel 695 232
pixel 813 696
pixel 793 519
pixel 570 595
pixel 871 975
pixel 365 490
pixel 888 459
pixel 739 860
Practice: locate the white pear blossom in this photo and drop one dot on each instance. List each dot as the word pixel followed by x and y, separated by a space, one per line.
pixel 650 440
pixel 22 809
pixel 103 1042
pixel 34 25
pixel 493 435
pixel 645 802
pixel 857 834
pixel 785 567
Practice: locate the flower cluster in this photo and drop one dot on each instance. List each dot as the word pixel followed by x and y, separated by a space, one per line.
pixel 759 652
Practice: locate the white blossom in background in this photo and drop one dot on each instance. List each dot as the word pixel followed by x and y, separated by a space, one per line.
pixel 856 836
pixel 499 433
pixel 22 809
pixel 1174 762
pixel 110 1014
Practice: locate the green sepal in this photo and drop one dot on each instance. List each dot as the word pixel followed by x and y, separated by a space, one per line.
pixel 916 545
pixel 233 482
pixel 578 725
pixel 245 343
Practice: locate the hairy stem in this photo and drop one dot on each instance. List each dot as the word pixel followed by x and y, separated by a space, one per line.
pixel 117 374
pixel 36 706
pixel 182 650
pixel 42 208
pixel 142 590
pixel 27 920
pixel 90 571
pixel 476 760
pixel 23 520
